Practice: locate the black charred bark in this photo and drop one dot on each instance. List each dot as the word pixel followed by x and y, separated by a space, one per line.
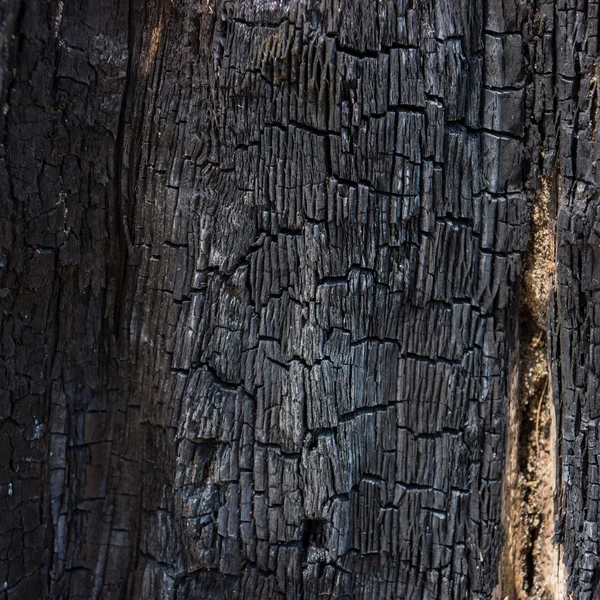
pixel 260 292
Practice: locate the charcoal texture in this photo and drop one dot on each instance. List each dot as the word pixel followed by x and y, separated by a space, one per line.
pixel 260 290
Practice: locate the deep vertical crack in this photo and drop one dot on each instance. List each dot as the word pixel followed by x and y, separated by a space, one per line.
pixel 124 243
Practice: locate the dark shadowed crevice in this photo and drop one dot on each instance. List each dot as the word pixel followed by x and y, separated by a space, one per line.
pixel 314 531
pixel 313 544
pixel 122 225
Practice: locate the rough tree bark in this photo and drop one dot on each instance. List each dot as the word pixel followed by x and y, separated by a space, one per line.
pixel 260 285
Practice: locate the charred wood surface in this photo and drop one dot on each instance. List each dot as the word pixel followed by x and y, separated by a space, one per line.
pixel 260 293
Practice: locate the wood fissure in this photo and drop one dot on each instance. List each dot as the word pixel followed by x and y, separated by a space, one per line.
pixel 530 563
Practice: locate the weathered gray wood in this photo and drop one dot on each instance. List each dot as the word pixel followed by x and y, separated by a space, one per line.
pixel 260 292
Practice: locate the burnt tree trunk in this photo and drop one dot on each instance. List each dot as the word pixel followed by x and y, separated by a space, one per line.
pixel 261 280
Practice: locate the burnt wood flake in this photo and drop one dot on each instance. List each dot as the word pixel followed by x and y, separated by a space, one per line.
pixel 260 291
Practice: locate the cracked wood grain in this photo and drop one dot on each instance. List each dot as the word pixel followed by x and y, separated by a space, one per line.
pixel 262 263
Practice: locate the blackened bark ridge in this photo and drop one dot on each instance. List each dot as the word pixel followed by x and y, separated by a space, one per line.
pixel 565 65
pixel 259 285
